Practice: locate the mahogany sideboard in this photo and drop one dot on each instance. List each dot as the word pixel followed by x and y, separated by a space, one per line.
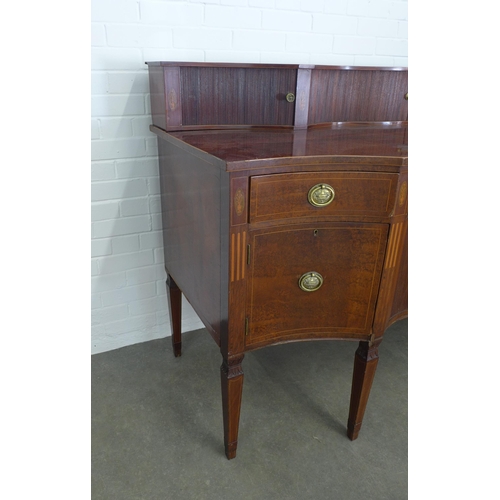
pixel 284 195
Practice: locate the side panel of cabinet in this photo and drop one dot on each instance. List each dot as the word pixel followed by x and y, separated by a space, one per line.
pixel 349 258
pixel 358 95
pixel 194 201
pixel 237 96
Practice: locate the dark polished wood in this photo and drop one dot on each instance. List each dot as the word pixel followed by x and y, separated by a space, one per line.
pixel 193 214
pixel 365 365
pixel 232 387
pixel 339 96
pixel 175 303
pixel 339 143
pixel 236 96
pixel 349 257
pixel 201 95
pixel 364 194
pixel 240 232
pixel 401 295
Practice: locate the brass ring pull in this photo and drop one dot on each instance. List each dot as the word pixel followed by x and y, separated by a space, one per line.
pixel 321 195
pixel 290 97
pixel 311 281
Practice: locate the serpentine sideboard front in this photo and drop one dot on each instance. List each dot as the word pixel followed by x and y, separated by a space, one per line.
pixel 284 194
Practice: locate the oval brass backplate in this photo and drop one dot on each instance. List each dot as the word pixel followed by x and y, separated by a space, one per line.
pixel 321 195
pixel 290 97
pixel 311 281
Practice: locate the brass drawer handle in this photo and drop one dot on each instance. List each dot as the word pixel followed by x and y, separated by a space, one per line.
pixel 290 97
pixel 311 281
pixel 321 195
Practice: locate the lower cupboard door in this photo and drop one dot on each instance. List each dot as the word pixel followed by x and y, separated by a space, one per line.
pixel 313 281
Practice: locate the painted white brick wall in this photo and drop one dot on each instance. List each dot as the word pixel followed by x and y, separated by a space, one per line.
pixel 128 278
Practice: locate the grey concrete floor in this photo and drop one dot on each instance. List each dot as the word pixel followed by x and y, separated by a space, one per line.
pixel 157 423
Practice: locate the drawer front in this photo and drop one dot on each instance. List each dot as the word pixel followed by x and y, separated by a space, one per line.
pixel 321 194
pixel 314 281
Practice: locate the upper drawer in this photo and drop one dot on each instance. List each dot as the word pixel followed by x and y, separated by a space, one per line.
pixel 321 194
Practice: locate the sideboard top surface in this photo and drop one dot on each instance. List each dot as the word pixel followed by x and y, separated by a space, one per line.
pixel 242 148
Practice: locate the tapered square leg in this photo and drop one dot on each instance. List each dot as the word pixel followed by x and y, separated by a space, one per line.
pixel 175 307
pixel 232 388
pixel 365 365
